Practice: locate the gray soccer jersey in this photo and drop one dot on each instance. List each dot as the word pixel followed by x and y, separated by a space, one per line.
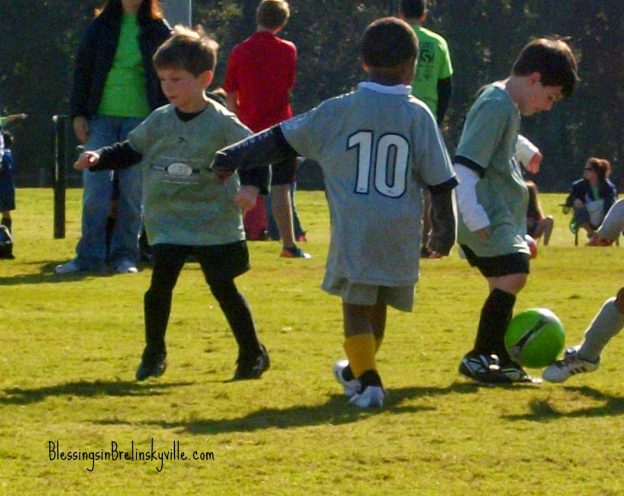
pixel 377 147
pixel 487 145
pixel 184 203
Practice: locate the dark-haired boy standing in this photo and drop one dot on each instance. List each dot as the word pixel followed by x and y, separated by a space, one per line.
pixel 378 147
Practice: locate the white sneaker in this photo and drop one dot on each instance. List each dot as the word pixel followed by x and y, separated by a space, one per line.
pixel 371 397
pixel 126 267
pixel 70 267
pixel 351 387
pixel 571 364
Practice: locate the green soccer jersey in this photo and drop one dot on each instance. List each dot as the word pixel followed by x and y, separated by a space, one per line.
pixel 434 63
pixel 184 202
pixel 487 145
pixel 377 147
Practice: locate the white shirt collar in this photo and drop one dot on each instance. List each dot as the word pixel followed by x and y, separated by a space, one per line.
pixel 397 89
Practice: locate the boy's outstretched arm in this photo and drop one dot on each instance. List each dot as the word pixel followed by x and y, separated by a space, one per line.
pixel 443 219
pixel 259 150
pixel 117 156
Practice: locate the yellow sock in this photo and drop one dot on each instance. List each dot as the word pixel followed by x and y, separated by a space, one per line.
pixel 361 353
pixel 378 342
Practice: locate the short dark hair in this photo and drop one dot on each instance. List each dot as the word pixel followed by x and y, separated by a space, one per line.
pixel 187 49
pixel 552 57
pixel 389 42
pixel 272 14
pixel 413 9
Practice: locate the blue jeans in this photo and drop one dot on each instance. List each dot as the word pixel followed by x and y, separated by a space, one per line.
pixel 96 201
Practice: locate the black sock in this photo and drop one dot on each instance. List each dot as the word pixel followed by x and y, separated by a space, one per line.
pixel 495 316
pixel 370 378
pixel 8 223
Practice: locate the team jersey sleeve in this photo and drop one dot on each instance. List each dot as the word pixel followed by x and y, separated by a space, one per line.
pixel 481 135
pixel 139 137
pixel 236 131
pixel 305 132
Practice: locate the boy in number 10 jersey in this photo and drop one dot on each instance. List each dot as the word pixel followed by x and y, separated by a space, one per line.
pixel 378 147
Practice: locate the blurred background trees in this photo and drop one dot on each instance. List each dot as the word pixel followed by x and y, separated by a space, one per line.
pixel 40 40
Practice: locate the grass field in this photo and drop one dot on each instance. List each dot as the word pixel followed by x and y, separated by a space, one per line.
pixel 71 345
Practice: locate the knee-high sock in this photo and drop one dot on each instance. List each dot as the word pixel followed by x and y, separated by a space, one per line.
pixel 8 222
pixel 606 324
pixel 495 316
pixel 360 353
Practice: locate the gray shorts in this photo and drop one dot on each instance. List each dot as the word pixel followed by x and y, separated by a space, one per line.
pixel 399 297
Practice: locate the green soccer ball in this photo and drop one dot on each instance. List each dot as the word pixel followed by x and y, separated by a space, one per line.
pixel 535 338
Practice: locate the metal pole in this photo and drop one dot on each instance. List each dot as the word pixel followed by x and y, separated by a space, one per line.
pixel 59 175
pixel 178 11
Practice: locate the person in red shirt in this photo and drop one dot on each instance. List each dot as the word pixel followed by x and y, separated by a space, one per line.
pixel 259 78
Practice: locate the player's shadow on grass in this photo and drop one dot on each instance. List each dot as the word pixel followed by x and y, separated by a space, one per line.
pixel 335 411
pixel 48 276
pixel 545 411
pixel 85 389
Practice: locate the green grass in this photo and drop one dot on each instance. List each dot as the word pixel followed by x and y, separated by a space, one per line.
pixel 71 345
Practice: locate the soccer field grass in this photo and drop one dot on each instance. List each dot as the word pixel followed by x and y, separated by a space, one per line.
pixel 71 345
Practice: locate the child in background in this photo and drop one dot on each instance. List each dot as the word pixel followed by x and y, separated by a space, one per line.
pixel 7 194
pixel 492 195
pixel 378 148
pixel 187 211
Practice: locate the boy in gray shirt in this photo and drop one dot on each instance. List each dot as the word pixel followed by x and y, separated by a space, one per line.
pixel 187 211
pixel 378 147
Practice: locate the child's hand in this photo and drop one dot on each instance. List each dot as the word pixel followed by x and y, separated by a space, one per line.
pixel 86 160
pixel 246 198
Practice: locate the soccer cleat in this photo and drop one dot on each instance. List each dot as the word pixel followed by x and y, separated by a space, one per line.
pixel 371 397
pixel 151 367
pixel 482 368
pixel 571 364
pixel 252 366
pixel 294 252
pixel 342 372
pixel 515 373
pixel 596 240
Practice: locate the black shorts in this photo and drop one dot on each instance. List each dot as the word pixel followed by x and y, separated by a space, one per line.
pixel 502 265
pixel 218 262
pixel 283 172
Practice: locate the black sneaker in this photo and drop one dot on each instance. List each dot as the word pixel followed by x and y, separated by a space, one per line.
pixel 151 367
pixel 515 373
pixel 252 367
pixel 482 368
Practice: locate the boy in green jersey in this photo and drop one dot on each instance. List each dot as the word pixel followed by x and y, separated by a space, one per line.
pixel 187 211
pixel 492 196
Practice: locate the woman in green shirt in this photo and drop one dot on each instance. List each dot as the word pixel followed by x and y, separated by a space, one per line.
pixel 115 87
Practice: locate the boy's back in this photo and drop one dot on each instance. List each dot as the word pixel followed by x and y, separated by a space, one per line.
pixel 377 147
pixel 262 70
pixel 434 64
